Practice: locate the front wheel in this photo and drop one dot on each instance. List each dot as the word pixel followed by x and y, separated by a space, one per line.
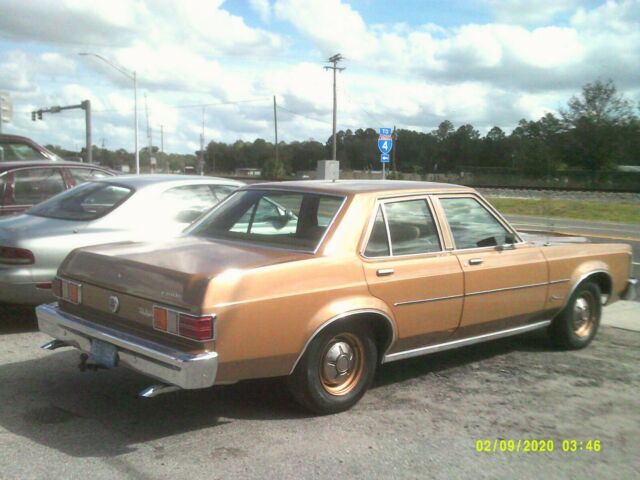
pixel 336 370
pixel 576 325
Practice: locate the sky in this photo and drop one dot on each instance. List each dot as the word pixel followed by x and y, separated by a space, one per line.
pixel 408 63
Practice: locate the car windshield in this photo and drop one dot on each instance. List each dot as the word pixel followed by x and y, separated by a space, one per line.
pixel 282 219
pixel 88 201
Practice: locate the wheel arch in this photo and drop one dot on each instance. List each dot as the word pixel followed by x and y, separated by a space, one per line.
pixel 600 276
pixel 382 325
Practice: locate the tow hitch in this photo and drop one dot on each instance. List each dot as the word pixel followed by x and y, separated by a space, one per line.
pixel 85 365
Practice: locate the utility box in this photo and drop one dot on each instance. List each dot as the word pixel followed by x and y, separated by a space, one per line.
pixel 328 170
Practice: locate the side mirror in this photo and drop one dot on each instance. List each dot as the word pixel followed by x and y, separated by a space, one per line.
pixel 509 242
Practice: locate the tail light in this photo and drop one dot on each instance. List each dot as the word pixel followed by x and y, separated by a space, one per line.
pixel 16 256
pixel 67 290
pixel 195 327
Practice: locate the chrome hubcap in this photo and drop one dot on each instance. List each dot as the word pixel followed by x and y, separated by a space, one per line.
pixel 338 362
pixel 341 364
pixel 582 316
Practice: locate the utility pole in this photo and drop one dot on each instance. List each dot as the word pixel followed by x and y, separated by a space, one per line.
pixel 394 135
pixel 201 156
pixel 275 122
pixel 146 112
pixel 334 60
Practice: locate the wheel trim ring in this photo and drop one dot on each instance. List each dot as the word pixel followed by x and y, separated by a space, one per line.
pixel 352 378
pixel 584 315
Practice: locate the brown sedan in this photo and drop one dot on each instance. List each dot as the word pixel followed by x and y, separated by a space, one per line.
pixel 323 281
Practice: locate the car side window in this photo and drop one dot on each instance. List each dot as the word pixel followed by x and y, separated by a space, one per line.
pixel 412 227
pixel 34 185
pixel 19 151
pixel 82 175
pixel 221 191
pixel 188 202
pixel 378 245
pixel 472 225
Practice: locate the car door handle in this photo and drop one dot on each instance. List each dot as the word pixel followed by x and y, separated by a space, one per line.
pixel 385 272
pixel 475 261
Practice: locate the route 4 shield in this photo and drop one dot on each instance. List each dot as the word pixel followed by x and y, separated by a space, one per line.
pixel 385 143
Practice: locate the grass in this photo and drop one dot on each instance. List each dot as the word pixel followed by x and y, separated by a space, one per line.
pixel 620 212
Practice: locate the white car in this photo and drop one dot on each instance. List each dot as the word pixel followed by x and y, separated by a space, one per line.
pixel 115 209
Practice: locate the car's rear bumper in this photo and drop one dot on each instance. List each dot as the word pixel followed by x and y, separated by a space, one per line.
pixel 631 290
pixel 166 364
pixel 25 293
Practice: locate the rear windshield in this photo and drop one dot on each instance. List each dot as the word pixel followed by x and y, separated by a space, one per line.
pixel 282 219
pixel 85 202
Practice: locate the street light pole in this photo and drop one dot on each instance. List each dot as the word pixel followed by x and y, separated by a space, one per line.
pixel 133 76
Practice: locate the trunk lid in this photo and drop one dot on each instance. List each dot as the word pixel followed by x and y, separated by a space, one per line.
pixel 175 272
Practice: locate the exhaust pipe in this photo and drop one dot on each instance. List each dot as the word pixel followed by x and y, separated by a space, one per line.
pixel 53 344
pixel 155 390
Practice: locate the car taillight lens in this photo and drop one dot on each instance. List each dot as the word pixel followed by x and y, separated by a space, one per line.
pixel 196 327
pixel 67 290
pixel 16 256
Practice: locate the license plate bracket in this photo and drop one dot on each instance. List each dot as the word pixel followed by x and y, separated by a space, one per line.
pixel 103 354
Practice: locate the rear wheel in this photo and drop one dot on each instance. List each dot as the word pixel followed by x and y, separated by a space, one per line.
pixel 577 324
pixel 336 370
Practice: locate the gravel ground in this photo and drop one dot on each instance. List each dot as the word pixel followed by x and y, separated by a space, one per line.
pixel 420 420
pixel 561 195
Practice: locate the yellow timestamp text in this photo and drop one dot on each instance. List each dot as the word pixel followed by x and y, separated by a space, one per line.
pixel 543 445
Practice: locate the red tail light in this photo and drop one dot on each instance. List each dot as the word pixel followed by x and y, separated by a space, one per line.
pixel 16 256
pixel 183 324
pixel 198 328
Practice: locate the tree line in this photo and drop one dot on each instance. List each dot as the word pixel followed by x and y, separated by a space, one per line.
pixel 598 130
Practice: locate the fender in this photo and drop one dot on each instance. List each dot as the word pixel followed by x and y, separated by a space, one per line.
pixel 336 311
pixel 584 271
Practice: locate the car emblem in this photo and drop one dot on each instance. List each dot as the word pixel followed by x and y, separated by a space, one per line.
pixel 114 304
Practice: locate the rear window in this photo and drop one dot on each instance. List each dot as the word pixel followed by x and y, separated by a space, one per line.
pixel 292 220
pixel 12 151
pixel 85 202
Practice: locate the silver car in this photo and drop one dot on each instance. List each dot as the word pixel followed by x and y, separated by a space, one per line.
pixel 130 208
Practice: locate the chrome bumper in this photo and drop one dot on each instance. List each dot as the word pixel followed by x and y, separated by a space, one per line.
pixel 630 292
pixel 170 366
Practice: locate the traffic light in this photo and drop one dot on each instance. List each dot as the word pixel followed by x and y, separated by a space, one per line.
pixel 39 114
pixel 33 116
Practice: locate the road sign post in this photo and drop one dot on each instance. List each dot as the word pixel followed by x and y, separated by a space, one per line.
pixel 385 144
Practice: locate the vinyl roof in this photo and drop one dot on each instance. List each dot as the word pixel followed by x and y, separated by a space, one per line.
pixel 359 186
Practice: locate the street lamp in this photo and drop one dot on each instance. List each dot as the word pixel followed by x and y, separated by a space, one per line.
pixel 132 76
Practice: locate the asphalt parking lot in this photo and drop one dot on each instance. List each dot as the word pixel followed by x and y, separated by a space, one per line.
pixel 420 420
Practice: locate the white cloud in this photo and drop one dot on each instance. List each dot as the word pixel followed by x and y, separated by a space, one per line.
pixel 527 11
pixel 193 52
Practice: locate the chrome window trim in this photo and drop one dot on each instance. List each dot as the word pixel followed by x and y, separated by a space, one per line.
pixel 380 202
pixel 394 333
pixel 492 211
pixel 439 347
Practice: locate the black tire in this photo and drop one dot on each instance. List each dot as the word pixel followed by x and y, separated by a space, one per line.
pixel 577 324
pixel 311 383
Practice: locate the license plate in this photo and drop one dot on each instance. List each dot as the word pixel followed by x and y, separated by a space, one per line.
pixel 104 354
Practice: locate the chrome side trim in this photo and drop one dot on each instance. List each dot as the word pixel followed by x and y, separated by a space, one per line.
pixel 562 280
pixel 427 300
pixel 394 333
pixel 463 342
pixel 505 289
pixel 482 292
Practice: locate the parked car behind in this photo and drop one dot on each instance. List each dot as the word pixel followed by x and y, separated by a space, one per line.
pixel 113 209
pixel 322 282
pixel 23 184
pixel 15 148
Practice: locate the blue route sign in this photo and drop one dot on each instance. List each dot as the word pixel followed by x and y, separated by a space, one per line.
pixel 385 131
pixel 384 158
pixel 385 143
